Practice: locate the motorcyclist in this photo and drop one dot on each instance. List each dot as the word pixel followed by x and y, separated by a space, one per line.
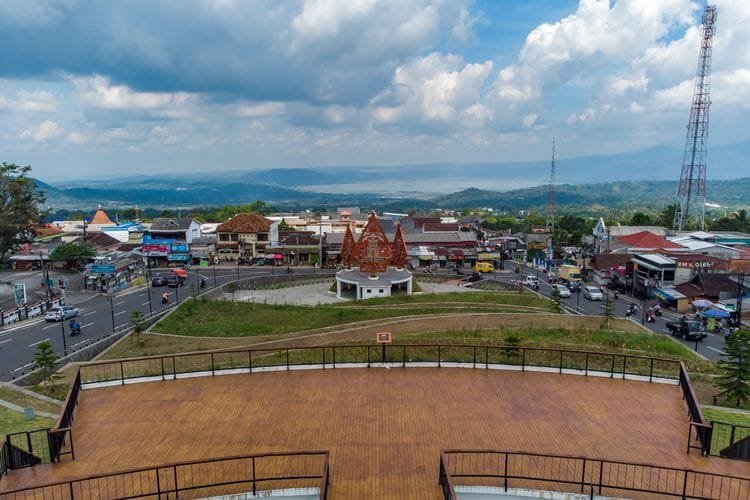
pixel 657 310
pixel 75 327
pixel 203 282
pixel 164 297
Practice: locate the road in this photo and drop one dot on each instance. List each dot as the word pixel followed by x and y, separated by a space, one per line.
pixel 97 316
pixel 711 347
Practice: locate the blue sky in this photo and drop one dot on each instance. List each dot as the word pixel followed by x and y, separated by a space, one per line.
pixel 99 88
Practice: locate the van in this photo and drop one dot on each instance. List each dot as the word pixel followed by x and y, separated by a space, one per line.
pixel 484 267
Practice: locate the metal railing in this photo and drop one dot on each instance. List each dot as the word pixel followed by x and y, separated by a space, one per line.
pixel 730 440
pixel 697 421
pixel 506 470
pixel 3 458
pixel 474 356
pixel 196 479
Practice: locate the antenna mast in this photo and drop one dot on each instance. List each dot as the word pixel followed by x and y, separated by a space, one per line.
pixel 692 187
pixel 551 201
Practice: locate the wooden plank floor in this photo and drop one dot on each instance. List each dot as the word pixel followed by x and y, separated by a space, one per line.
pixel 383 427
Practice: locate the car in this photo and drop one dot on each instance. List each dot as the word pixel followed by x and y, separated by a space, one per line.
pixel 60 313
pixel 175 281
pixel 564 292
pixel 159 281
pixel 593 293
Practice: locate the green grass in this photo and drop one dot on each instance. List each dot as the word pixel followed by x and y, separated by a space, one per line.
pixel 727 416
pixel 722 434
pixel 13 421
pixel 25 401
pixel 245 319
pixel 507 298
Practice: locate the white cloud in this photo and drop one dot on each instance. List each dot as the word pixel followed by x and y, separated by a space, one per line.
pixel 77 138
pixel 260 110
pixel 39 100
pixel 45 131
pixel 99 93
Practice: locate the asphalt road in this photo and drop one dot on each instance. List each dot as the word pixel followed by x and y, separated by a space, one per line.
pixel 97 317
pixel 711 347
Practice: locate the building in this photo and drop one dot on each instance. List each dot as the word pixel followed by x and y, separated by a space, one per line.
pixel 245 236
pixel 168 240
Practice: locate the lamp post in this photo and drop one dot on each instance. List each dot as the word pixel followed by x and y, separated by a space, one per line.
pixel 578 298
pixel 112 307
pixel 65 345
pixel 45 278
pixel 148 291
pixel 214 269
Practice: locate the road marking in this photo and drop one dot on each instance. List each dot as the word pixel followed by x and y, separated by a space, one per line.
pixel 717 350
pixel 89 314
pixel 49 326
pixel 119 303
pixel 87 324
pixel 37 343
pixel 4 341
pixel 121 312
pixel 146 303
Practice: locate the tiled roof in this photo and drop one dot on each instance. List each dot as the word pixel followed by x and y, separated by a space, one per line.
pixel 437 227
pixel 715 283
pixel 171 224
pixel 100 218
pixel 689 290
pixel 608 260
pixel 245 223
pixel 98 240
pixel 645 239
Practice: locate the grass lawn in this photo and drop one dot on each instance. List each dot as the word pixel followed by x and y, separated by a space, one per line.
pixel 509 298
pixel 13 421
pixel 246 319
pixel 25 401
pixel 727 416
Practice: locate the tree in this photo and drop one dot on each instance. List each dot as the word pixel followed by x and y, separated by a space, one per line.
pixel 136 321
pixel 641 219
pixel 284 225
pixel 20 203
pixel 45 360
pixel 666 216
pixel 74 254
pixel 555 304
pixel 735 368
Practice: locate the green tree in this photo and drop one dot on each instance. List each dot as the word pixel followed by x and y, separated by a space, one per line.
pixel 136 321
pixel 45 360
pixel 641 219
pixel 283 225
pixel 74 254
pixel 555 303
pixel 735 368
pixel 666 216
pixel 20 212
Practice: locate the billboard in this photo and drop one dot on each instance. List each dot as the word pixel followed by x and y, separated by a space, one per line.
pixel 19 293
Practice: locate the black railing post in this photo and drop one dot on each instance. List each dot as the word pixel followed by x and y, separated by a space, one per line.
pixel 684 484
pixel 250 361
pixel 486 357
pixel 651 371
pixel 174 368
pixel 403 362
pixel 324 357
pixel 122 374
pixel 334 357
pixel 601 475
pixel 70 489
pixel 438 355
pixel 162 368
pixel 624 360
pixel 368 356
pixel 731 434
pixel 213 371
pixel 254 490
pixel 158 486
pixel 612 368
pixel 561 360
pixel 523 359
pixel 587 364
pixel 176 487
pixel 583 475
pixel 287 359
pixel 475 357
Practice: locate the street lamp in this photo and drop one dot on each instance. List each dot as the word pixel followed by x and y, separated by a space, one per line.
pixel 65 345
pixel 148 290
pixel 112 307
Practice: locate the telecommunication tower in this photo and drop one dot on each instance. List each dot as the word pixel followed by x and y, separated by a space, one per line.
pixel 551 199
pixel 691 191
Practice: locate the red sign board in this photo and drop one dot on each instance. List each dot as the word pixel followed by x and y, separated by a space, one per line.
pixel 383 338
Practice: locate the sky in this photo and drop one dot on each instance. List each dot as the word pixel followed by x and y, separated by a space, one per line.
pixel 95 88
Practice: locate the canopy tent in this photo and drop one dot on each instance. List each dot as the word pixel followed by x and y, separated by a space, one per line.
pixel 715 313
pixel 702 303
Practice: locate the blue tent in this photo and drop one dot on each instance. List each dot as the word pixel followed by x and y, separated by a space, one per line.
pixel 715 313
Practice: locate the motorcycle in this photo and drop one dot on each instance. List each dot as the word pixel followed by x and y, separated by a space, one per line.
pixel 164 298
pixel 75 329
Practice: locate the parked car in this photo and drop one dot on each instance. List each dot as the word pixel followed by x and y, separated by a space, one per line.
pixel 593 293
pixel 61 313
pixel 159 281
pixel 564 292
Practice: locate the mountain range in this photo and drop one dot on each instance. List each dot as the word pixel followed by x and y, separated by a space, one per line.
pixel 583 183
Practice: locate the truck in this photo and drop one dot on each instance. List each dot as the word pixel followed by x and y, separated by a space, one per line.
pixel 531 282
pixel 570 276
pixel 688 329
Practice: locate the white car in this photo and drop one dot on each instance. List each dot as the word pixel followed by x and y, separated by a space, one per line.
pixel 564 292
pixel 61 313
pixel 593 293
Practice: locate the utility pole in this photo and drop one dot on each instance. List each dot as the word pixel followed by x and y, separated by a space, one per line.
pixel 691 189
pixel 45 278
pixel 65 344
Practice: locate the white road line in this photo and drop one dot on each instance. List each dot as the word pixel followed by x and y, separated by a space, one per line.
pixel 121 312
pixel 87 324
pixel 717 350
pixel 89 314
pixel 37 343
pixel 120 303
pixel 145 303
pixel 49 326
pixel 4 341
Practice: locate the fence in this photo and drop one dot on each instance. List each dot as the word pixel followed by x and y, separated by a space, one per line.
pixel 3 458
pixel 472 356
pixel 730 440
pixel 27 448
pixel 26 311
pixel 697 421
pixel 196 479
pixel 504 471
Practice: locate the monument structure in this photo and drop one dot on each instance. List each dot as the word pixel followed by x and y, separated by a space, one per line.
pixel 373 266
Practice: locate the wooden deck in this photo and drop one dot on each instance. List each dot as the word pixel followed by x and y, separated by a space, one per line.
pixel 383 427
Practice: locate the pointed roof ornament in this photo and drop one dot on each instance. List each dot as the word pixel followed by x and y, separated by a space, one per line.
pixel 373 251
pixel 347 248
pixel 400 255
